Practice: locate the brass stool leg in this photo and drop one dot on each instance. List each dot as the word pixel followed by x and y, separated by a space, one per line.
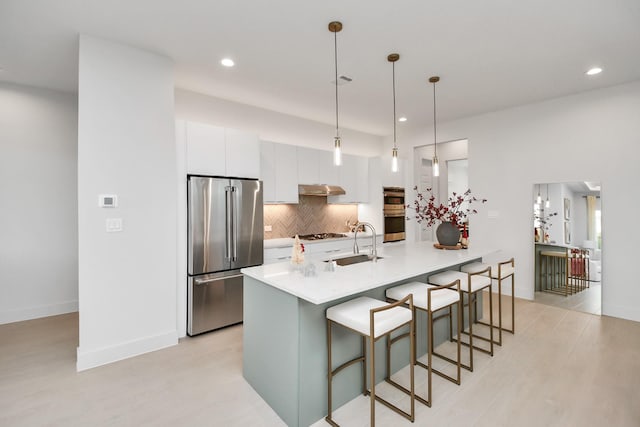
pixel 500 311
pixel 329 375
pixel 372 376
pixel 470 335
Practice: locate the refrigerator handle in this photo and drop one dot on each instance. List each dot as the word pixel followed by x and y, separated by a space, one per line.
pixel 234 221
pixel 229 221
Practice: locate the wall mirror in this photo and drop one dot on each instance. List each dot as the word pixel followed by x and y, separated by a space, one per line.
pixel 568 245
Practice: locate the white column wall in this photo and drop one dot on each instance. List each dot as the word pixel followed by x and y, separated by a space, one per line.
pixel 126 146
pixel 589 136
pixel 38 208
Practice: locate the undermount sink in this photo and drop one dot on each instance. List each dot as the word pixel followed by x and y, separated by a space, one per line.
pixel 353 259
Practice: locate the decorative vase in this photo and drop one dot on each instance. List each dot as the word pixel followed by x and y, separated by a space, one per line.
pixel 448 234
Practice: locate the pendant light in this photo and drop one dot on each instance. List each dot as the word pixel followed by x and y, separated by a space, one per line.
pixel 436 166
pixel 539 198
pixel 336 27
pixel 547 204
pixel 393 57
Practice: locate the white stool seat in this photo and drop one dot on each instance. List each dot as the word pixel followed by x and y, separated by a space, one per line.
pixel 439 299
pixel 446 277
pixel 474 267
pixel 355 314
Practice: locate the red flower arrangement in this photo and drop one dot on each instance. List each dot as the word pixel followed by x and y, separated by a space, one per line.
pixel 456 211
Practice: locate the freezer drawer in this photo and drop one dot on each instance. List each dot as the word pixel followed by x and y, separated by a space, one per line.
pixel 215 301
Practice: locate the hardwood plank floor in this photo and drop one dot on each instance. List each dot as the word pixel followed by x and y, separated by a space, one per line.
pixel 562 368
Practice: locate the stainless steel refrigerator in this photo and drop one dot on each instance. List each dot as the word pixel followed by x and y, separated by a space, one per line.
pixel 225 226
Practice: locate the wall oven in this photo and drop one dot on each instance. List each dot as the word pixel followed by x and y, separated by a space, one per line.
pixel 394 214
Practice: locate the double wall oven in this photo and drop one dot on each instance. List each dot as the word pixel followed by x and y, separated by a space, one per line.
pixel 394 214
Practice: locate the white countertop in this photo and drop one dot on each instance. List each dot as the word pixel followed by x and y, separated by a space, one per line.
pixel 400 262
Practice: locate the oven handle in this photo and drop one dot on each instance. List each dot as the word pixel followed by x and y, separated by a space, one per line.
pixel 394 215
pixel 393 194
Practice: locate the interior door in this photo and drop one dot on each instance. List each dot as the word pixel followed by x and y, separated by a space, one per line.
pixel 208 235
pixel 247 223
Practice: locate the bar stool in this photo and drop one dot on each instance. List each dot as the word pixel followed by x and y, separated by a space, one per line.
pixel 577 269
pixel 471 284
pixel 499 272
pixel 430 299
pixel 373 319
pixel 554 272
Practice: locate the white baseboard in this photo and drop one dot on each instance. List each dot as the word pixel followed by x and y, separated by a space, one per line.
pixel 28 313
pixel 87 359
pixel 622 312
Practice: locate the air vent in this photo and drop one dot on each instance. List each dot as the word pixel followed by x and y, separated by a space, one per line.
pixel 342 80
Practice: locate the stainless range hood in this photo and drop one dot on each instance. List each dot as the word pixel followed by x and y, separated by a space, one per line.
pixel 320 190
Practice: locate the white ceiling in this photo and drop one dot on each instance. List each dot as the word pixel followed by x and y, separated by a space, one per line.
pixel 490 54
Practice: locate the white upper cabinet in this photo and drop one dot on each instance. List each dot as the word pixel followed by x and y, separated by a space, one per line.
pixel 354 178
pixel 393 179
pixel 329 173
pixel 279 170
pixel 212 150
pixel 205 149
pixel 308 166
pixel 243 153
pixel 316 167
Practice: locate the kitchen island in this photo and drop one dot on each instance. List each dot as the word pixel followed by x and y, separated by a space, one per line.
pixel 284 337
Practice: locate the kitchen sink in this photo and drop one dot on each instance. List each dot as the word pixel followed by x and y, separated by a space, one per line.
pixel 353 259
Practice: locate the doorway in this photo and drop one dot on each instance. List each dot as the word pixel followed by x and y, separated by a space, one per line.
pixel 567 220
pixel 453 174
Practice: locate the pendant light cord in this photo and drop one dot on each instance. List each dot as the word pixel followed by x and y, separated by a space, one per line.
pixel 394 103
pixel 435 140
pixel 335 61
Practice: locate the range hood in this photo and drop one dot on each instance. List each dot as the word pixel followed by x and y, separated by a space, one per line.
pixel 320 190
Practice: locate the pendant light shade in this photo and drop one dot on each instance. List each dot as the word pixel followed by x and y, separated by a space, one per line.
pixel 547 204
pixel 335 27
pixel 394 153
pixel 435 164
pixel 539 198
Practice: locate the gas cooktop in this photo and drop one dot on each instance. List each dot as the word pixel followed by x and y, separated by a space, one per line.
pixel 321 236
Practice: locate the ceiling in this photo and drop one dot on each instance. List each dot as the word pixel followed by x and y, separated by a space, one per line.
pixel 490 54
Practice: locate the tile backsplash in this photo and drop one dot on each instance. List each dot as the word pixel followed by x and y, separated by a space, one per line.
pixel 311 215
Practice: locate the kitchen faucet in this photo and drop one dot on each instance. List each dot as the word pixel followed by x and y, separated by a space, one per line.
pixel 356 250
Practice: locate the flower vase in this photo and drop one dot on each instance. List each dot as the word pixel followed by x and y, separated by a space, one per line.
pixel 448 234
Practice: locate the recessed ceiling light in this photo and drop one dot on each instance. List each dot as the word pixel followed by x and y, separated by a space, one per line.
pixel 228 62
pixel 402 119
pixel 593 71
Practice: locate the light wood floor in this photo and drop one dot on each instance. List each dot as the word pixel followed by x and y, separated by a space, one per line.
pixel 586 301
pixel 562 368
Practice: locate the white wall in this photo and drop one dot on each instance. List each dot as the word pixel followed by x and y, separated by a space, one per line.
pixel 38 208
pixel 589 136
pixel 126 146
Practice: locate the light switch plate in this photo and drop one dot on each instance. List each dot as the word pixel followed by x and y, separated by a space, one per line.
pixel 114 225
pixel 268 228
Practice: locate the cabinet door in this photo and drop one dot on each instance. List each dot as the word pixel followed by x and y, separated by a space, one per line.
pixel 308 166
pixel 205 149
pixel 393 179
pixel 328 173
pixel 286 173
pixel 242 154
pixel 362 179
pixel 268 171
pixel 354 178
